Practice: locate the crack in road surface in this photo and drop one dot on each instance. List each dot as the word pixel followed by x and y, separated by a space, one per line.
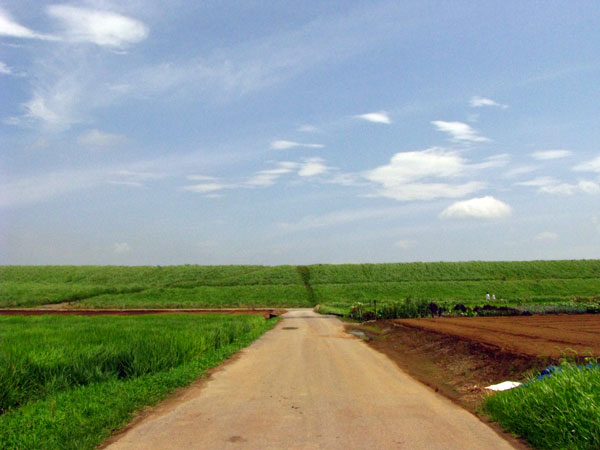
pixel 315 388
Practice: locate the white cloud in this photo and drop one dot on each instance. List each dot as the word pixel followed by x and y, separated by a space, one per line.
pixel 96 138
pixel 549 185
pixel 121 248
pixel 337 218
pixel 4 69
pixel 546 236
pixel 477 102
pixel 312 166
pixel 459 131
pixel 589 187
pixel 36 188
pixel 207 188
pixel 408 175
pixel 589 166
pixel 54 104
pixel 405 244
pixel 9 27
pixel 99 27
pixel 376 117
pixel 308 129
pixel 479 208
pixel 551 154
pixel 283 145
pixel 268 177
pixel 538 182
pixel 133 178
pixel 519 171
pixel 200 178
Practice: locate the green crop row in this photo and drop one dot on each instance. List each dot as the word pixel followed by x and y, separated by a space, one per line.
pixel 69 381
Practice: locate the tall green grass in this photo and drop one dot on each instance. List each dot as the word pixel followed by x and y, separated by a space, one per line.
pixel 69 381
pixel 560 412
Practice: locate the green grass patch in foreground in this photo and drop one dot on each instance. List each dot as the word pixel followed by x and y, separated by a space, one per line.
pixel 559 412
pixel 70 381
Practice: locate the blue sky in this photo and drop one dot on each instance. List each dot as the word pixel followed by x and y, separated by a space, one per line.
pixel 230 132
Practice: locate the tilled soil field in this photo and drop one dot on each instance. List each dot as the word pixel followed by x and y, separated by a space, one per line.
pixel 539 336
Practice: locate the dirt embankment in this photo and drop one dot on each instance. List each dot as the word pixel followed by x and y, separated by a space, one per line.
pixel 546 336
pixel 460 356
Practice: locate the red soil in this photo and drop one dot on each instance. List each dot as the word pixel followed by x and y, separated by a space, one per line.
pixel 544 335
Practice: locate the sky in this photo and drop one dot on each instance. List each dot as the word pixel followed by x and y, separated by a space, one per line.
pixel 269 132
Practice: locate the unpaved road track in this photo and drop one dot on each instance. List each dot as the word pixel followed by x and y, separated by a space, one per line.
pixel 308 384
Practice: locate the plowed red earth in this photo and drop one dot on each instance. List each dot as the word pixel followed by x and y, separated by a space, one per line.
pixel 545 336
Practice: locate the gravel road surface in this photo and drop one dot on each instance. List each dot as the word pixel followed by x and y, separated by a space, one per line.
pixel 307 384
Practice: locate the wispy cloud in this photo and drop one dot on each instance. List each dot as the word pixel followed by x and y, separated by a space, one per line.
pixel 311 167
pixel 486 207
pixel 10 27
pixel 459 131
pixel 207 188
pixel 477 102
pixel 268 177
pixel 519 171
pixel 284 145
pixel 336 218
pixel 409 175
pixel 99 27
pixel 98 139
pixel 589 166
pixel 376 117
pixel 550 154
pixel 308 129
pixel 4 69
pixel 405 244
pixel 550 185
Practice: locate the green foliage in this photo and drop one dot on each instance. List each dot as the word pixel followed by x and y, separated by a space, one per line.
pixel 296 286
pixel 562 411
pixel 69 381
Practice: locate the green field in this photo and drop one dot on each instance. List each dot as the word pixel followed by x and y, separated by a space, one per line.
pixel 70 381
pixel 297 286
pixel 562 411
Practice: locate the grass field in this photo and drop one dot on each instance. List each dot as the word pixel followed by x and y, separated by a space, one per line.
pixel 297 286
pixel 562 411
pixel 69 381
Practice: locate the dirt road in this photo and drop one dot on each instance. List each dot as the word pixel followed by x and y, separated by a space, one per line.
pixel 308 384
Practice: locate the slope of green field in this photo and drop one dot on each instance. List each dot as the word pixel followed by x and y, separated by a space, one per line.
pixel 296 286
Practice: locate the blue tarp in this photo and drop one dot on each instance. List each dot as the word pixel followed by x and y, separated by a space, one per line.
pixel 551 370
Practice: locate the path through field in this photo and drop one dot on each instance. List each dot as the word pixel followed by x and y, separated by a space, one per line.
pixel 305 385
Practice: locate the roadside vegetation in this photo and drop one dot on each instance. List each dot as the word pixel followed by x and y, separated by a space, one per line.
pixel 561 411
pixel 70 381
pixel 332 286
